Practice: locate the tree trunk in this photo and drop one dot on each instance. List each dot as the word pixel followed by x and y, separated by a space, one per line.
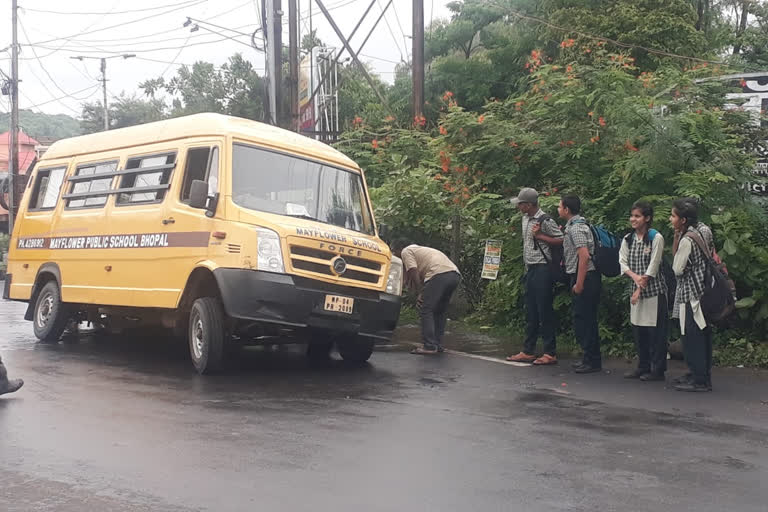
pixel 456 238
pixel 700 14
pixel 742 27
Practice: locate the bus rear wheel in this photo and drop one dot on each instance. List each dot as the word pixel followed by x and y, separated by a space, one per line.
pixel 207 335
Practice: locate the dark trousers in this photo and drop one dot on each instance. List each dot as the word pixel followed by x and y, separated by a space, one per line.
pixel 434 310
pixel 539 312
pixel 651 342
pixel 3 374
pixel 584 309
pixel 697 348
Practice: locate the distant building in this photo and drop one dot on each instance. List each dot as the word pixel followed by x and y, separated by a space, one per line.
pixel 28 151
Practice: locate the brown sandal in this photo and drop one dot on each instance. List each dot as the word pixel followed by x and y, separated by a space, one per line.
pixel 522 357
pixel 544 360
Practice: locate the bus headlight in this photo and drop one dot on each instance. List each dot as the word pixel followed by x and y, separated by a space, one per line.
pixel 395 279
pixel 270 254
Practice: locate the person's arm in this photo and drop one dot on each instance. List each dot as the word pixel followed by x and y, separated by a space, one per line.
pixel 412 277
pixel 676 241
pixel 550 234
pixel 581 273
pixel 681 256
pixel 624 259
pixel 657 251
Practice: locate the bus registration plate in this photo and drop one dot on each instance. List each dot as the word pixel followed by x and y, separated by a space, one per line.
pixel 339 304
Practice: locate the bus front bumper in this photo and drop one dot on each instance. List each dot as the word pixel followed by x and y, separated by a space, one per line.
pixel 298 302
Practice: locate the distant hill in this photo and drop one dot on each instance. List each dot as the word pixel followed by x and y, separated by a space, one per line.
pixel 36 125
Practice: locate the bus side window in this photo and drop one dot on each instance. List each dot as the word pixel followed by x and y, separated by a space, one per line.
pixel 203 165
pixel 46 190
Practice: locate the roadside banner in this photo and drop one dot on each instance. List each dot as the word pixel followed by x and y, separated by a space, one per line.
pixel 492 259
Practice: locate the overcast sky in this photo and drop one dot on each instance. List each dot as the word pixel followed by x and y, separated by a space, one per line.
pixel 53 82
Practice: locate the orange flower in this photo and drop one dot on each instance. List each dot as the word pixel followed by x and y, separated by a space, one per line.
pixel 513 143
pixel 594 139
pixel 601 121
pixel 443 131
pixel 480 119
pixel 590 114
pixel 569 69
pixel 629 146
pixel 389 119
pixel 743 83
pixel 375 144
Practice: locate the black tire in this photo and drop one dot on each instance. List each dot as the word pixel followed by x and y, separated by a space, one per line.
pixel 354 349
pixel 207 335
pixel 50 316
pixel 320 350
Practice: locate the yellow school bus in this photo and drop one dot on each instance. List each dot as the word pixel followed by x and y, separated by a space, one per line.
pixel 227 230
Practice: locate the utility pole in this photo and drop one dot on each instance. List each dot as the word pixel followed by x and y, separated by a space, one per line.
pixel 104 79
pixel 417 71
pixel 13 156
pixel 274 45
pixel 104 88
pixel 293 42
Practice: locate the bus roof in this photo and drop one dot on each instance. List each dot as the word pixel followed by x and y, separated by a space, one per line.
pixel 197 125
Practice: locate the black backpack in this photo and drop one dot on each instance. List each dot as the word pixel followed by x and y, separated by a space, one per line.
pixel 665 268
pixel 719 298
pixel 556 264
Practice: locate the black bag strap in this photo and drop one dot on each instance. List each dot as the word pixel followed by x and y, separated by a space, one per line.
pixel 696 237
pixel 541 220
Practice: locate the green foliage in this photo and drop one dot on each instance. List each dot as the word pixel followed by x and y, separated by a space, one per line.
pixel 36 125
pixel 596 127
pixel 234 89
pixel 123 111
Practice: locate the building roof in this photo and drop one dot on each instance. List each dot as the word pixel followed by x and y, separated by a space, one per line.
pixel 5 138
pixel 196 125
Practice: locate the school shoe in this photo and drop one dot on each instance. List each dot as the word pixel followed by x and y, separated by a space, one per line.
pixel 588 368
pixel 635 374
pixel 652 377
pixel 11 386
pixel 683 379
pixel 577 363
pixel 693 387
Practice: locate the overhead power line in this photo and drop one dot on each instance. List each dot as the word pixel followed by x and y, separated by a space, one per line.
pixel 80 13
pixel 66 94
pixel 392 33
pixel 197 2
pixel 96 90
pixel 143 50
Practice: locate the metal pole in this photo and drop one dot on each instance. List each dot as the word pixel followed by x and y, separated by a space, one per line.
pixel 13 160
pixel 104 86
pixel 277 53
pixel 293 42
pixel 353 54
pixel 324 76
pixel 418 58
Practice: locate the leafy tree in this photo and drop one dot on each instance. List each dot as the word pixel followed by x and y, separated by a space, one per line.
pixel 36 125
pixel 235 89
pixel 123 111
pixel 597 128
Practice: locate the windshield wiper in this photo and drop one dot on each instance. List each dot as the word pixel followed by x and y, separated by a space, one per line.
pixel 303 216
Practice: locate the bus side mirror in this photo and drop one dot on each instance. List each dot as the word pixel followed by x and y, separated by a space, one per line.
pixel 383 231
pixel 198 195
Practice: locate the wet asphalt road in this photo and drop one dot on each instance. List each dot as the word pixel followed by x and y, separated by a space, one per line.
pixel 126 425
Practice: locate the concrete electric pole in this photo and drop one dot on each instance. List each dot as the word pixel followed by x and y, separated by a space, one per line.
pixel 104 79
pixel 13 143
pixel 418 58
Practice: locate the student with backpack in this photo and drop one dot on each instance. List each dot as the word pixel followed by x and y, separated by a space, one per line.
pixel 542 255
pixel 640 258
pixel 578 249
pixel 689 265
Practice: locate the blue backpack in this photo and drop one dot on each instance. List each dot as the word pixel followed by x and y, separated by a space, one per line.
pixel 607 245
